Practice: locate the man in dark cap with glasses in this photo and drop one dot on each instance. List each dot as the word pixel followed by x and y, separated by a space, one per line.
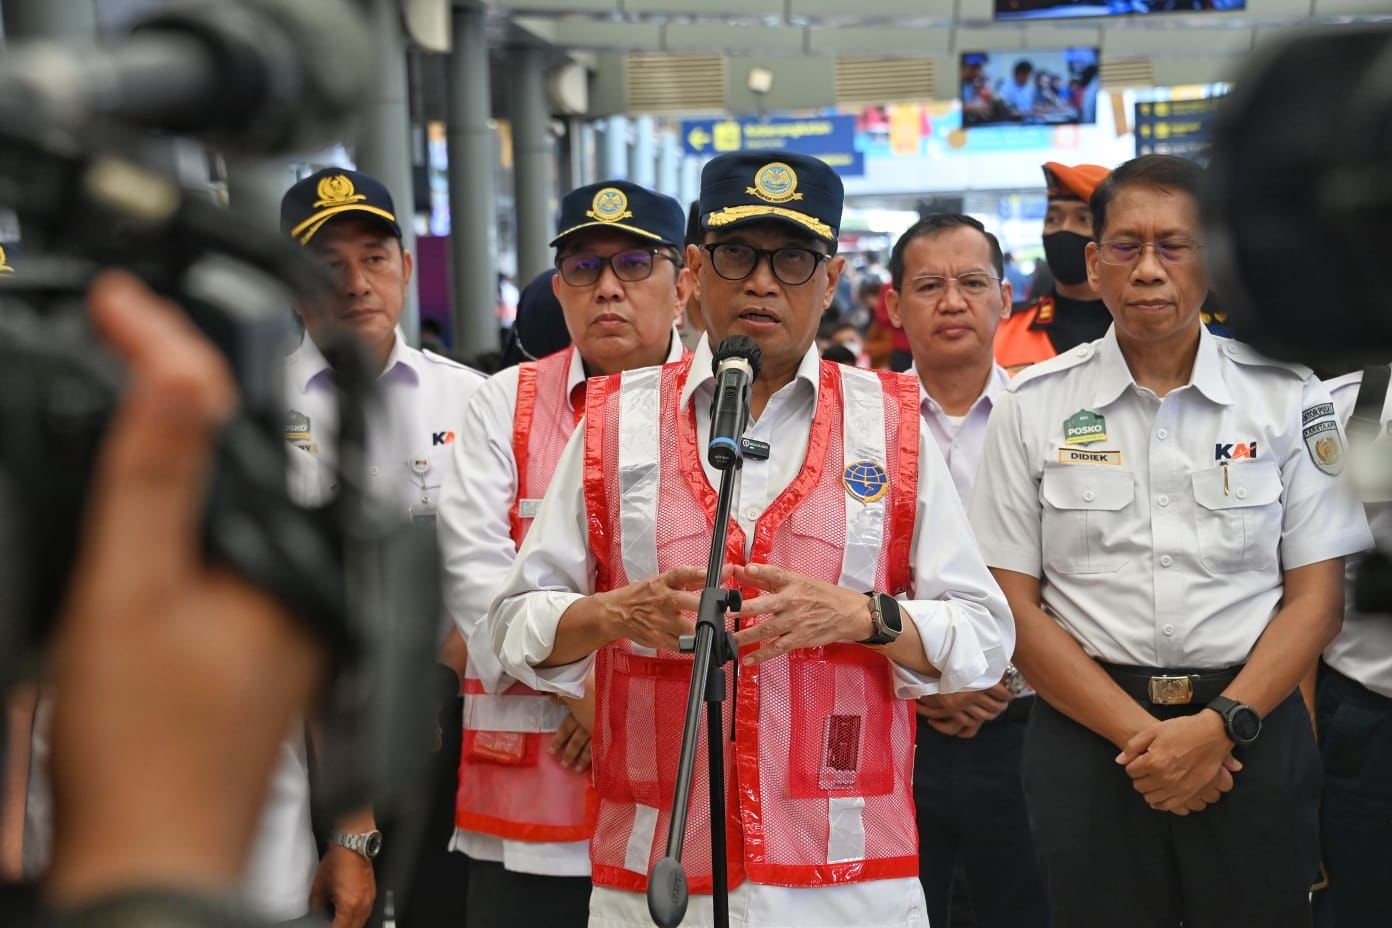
pixel 836 482
pixel 525 808
pixel 1161 508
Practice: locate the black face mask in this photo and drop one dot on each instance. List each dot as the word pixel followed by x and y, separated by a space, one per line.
pixel 1066 254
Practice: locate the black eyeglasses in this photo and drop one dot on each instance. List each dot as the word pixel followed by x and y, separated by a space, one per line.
pixel 791 265
pixel 584 270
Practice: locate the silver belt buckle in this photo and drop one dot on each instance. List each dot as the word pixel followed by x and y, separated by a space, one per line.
pixel 1171 691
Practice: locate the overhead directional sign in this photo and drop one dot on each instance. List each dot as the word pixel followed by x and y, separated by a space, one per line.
pixel 831 138
pixel 1175 127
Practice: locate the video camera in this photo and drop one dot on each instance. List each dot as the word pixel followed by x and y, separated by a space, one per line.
pixel 250 77
pixel 1298 220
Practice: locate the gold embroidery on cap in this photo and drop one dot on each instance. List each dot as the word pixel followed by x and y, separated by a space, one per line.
pixel 337 189
pixel 736 213
pixel 609 205
pixel 776 183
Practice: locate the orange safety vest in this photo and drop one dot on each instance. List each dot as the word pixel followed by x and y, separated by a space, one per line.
pixel 1018 345
pixel 819 763
pixel 509 785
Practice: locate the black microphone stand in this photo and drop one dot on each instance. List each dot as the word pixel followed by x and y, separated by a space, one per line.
pixel 714 647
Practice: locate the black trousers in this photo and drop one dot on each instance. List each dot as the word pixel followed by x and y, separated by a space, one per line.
pixel 1110 860
pixel 971 814
pixel 500 898
pixel 1355 729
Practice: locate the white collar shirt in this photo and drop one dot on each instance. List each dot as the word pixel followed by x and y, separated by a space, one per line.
pixel 1160 542
pixel 417 416
pixel 1363 648
pixel 422 399
pixel 961 444
pixel 959 611
pixel 476 551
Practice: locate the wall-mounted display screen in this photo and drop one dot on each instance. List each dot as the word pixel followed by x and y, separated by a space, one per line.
pixel 1030 88
pixel 1066 9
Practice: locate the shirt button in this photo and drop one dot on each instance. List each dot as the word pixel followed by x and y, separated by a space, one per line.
pixel 1163 500
pixel 1089 496
pixel 752 512
pixel 374 471
pixel 425 499
pixel 1162 434
pixel 1168 630
pixel 1166 560
pixel 1241 493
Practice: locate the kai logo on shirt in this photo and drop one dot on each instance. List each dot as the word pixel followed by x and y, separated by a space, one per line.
pixel 1084 428
pixel 441 438
pixel 1234 451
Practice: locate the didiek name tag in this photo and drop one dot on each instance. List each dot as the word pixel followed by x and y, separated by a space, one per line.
pixel 528 508
pixel 1078 456
pixel 754 449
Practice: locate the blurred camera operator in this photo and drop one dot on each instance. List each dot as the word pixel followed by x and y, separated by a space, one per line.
pixel 159 660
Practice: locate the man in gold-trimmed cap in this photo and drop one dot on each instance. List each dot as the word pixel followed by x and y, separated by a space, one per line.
pixel 525 807
pixel 348 222
pixel 835 482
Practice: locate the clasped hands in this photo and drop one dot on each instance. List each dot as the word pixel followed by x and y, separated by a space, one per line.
pixel 1181 765
pixel 797 611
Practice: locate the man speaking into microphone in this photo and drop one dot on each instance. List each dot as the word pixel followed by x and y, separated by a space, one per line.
pixel 848 612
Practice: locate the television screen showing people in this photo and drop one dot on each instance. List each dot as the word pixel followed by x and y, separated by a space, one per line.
pixel 1066 9
pixel 1030 88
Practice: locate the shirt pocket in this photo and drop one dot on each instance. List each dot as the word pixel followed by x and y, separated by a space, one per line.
pixel 1238 516
pixel 1086 517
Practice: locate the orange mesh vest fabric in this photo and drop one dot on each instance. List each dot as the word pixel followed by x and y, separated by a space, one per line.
pixel 509 785
pixel 819 769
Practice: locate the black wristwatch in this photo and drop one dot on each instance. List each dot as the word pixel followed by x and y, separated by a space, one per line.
pixel 1240 720
pixel 888 622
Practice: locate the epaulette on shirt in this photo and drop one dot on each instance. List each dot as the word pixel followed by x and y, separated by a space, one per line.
pixel 1246 355
pixel 1069 359
pixel 444 361
pixel 1044 310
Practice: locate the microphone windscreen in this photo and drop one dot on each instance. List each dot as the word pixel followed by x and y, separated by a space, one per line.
pixel 737 346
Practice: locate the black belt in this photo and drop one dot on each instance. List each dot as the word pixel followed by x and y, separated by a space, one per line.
pixel 1162 687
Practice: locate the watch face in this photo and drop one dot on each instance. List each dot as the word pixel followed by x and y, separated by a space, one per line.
pixel 889 612
pixel 373 845
pixel 1246 725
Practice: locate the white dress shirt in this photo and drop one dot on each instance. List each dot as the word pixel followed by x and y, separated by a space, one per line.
pixel 476 550
pixel 1363 648
pixel 1155 545
pixel 422 395
pixel 417 417
pixel 961 438
pixel 959 612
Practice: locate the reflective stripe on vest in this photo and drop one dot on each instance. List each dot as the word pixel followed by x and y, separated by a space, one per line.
pixel 819 772
pixel 509 785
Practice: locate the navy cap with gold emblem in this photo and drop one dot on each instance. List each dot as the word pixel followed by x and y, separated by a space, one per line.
pixel 625 207
pixel 329 194
pixel 5 263
pixel 758 186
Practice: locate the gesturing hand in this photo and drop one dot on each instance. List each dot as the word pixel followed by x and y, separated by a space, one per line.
pixel 651 612
pixel 962 714
pixel 799 612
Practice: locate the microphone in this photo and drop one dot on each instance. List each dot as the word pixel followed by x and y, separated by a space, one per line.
pixel 736 365
pixel 260 76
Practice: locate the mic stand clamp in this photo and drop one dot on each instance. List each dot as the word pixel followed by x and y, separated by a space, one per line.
pixel 713 647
